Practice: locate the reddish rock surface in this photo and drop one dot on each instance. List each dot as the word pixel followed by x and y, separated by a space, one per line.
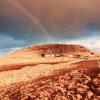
pixel 59 49
pixel 73 85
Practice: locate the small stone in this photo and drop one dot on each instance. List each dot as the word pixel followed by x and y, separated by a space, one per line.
pixel 90 94
pixel 79 97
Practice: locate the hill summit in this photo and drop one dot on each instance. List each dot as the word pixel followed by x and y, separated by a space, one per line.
pixel 58 49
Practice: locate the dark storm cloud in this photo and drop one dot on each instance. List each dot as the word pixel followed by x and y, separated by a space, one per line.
pixel 7 43
pixel 61 18
pixel 15 23
pixel 66 17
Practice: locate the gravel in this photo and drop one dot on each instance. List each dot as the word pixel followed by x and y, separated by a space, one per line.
pixel 79 84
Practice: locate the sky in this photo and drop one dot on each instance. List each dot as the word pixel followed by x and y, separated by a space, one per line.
pixel 27 22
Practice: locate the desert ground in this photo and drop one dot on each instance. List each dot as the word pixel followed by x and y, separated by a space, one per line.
pixel 26 75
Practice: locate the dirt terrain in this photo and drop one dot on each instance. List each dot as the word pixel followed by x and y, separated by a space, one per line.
pixel 27 75
pixel 33 55
pixel 78 84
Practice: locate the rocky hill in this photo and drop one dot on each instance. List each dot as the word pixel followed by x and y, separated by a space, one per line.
pixel 35 55
pixel 58 49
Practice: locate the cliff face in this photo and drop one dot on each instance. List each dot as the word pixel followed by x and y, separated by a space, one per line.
pixel 59 49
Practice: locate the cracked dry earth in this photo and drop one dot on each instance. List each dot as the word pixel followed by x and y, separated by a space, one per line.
pixel 79 84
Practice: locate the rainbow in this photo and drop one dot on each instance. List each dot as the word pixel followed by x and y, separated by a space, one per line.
pixel 34 20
